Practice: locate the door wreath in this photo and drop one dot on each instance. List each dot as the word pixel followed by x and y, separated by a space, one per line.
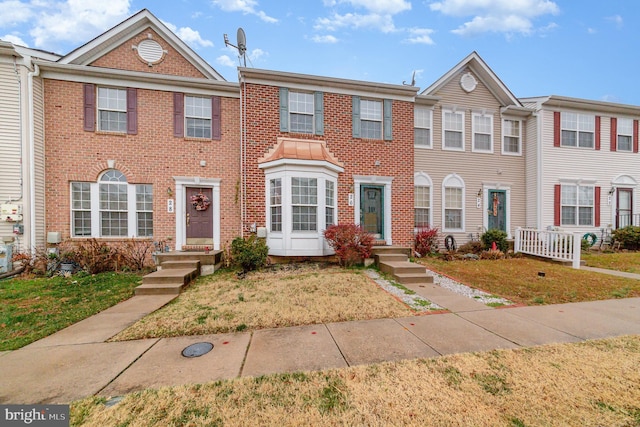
pixel 200 202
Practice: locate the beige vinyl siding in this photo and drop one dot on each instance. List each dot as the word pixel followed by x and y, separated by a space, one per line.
pixel 474 168
pixel 10 138
pixel 39 166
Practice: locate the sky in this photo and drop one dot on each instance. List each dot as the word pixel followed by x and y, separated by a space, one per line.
pixel 578 48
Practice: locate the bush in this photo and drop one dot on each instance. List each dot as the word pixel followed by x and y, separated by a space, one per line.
pixel 92 256
pixel 250 253
pixel 134 255
pixel 471 247
pixel 627 237
pixel 426 241
pixel 497 236
pixel 350 242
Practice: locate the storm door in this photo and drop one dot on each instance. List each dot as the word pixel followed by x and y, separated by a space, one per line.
pixel 372 209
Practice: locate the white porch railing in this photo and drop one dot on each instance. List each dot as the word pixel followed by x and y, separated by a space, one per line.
pixel 549 244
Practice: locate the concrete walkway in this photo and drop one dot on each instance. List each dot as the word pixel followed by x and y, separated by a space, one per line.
pixel 77 362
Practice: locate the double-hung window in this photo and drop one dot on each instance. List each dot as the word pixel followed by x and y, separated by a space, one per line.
pixel 330 203
pixel 111 207
pixel 511 137
pixel 422 127
pixel 112 109
pixel 304 202
pixel 453 130
pixel 625 134
pixel 301 110
pixel 482 132
pixel 577 130
pixel 577 205
pixel 453 203
pixel 422 206
pixel 198 116
pixel 275 203
pixel 371 119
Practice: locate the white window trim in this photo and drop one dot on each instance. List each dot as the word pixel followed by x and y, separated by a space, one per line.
pixel 358 181
pixel 430 128
pixel 453 111
pixel 209 118
pixel 182 182
pixel 459 184
pixel 132 212
pixel 98 109
pixel 510 153
pixel 312 114
pixel 474 116
pixel 421 179
pixel 577 184
pixel 630 150
pixel 577 130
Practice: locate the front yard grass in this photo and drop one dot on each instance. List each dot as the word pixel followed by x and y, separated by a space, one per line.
pixel 517 279
pixel 288 295
pixel 34 308
pixel 621 261
pixel 594 383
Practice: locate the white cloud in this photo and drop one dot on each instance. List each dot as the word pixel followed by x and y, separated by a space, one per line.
pixel 256 54
pixel 13 39
pixel 76 20
pixel 383 23
pixel 325 39
pixel 14 12
pixel 383 7
pixel 616 19
pixel 508 16
pixel 226 61
pixel 247 7
pixel 189 35
pixel 420 36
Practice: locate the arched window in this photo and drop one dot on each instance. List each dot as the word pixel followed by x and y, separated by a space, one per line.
pixel 422 197
pixel 111 207
pixel 453 203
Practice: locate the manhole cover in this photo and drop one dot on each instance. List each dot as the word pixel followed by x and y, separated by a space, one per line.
pixel 197 349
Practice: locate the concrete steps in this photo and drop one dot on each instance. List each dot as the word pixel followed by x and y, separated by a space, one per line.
pixel 176 270
pixel 395 261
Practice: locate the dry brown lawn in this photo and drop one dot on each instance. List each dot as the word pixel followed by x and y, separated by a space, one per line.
pixel 287 296
pixel 517 279
pixel 621 261
pixel 594 383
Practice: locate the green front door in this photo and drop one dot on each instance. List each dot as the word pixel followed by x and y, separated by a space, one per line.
pixel 497 210
pixel 372 209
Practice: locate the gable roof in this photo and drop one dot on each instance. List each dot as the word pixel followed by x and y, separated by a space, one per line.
pixel 480 68
pixel 111 39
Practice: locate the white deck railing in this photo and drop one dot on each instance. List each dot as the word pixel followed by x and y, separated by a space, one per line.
pixel 549 244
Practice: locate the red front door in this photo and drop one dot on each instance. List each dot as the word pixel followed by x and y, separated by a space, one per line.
pixel 199 216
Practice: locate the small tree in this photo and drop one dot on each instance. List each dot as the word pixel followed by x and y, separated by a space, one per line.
pixel 426 241
pixel 350 242
pixel 250 253
pixel 497 236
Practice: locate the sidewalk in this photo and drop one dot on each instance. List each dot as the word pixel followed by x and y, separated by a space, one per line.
pixel 77 362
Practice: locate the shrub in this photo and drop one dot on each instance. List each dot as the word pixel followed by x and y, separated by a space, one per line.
pixel 426 241
pixel 350 242
pixel 627 237
pixel 493 255
pixel 93 256
pixel 250 253
pixel 471 247
pixel 497 236
pixel 134 254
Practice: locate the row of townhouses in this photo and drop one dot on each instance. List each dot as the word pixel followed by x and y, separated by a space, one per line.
pixel 134 135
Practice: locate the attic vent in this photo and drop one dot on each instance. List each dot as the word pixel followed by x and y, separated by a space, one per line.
pixel 468 82
pixel 150 51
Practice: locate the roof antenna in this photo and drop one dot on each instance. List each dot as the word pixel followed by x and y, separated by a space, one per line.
pixel 242 44
pixel 413 80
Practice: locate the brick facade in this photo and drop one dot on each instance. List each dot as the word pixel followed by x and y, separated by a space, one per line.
pixel 358 155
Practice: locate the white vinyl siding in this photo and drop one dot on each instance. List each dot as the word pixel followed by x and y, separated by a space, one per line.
pixel 10 138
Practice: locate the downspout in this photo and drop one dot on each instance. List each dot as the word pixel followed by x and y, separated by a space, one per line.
pixel 539 172
pixel 242 152
pixel 32 158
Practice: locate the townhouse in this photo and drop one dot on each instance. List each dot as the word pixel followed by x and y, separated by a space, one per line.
pixel 134 135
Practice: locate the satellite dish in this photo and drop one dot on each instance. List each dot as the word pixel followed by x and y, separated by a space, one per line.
pixel 242 41
pixel 242 44
pixel 413 80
